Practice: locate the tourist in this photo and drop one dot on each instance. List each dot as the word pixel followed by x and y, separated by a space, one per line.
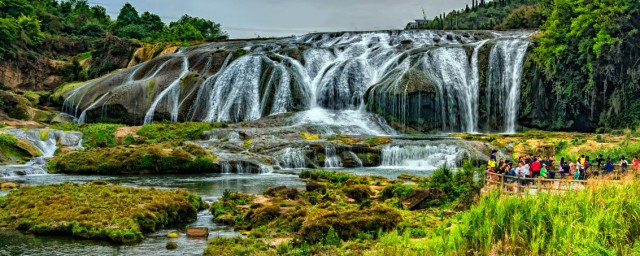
pixel 636 164
pixel 512 174
pixel 572 168
pixel 600 160
pixel 493 155
pixel 576 175
pixel 535 168
pixel 608 168
pixel 623 164
pixel 543 171
pixel 563 168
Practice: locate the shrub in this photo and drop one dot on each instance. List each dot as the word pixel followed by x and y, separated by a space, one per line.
pixel 358 192
pixel 348 224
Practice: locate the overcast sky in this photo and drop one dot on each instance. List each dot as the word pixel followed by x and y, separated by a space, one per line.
pixel 252 18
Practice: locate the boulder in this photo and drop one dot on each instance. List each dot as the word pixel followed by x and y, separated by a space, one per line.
pixel 202 232
pixel 415 199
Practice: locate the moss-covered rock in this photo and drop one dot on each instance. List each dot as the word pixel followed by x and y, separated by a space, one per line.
pixel 155 158
pixel 113 213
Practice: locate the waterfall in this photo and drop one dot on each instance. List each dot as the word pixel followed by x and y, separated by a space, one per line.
pixel 292 158
pixel 428 157
pixel 331 160
pixel 503 83
pixel 226 167
pixel 355 158
pixel 425 81
pixel 46 141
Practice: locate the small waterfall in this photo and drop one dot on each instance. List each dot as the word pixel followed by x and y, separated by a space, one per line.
pixel 331 160
pixel 428 157
pixel 355 158
pixel 226 167
pixel 46 141
pixel 292 158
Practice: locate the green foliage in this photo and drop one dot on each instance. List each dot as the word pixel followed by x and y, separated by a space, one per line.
pixel 498 14
pixel 24 24
pixel 562 223
pixel 358 192
pixel 237 246
pixel 113 213
pixel 580 46
pixel 176 132
pixel 460 187
pixel 94 135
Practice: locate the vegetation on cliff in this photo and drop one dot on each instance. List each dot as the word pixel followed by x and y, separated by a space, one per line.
pixel 113 213
pixel 25 24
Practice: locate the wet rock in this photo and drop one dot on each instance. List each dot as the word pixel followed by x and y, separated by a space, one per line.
pixel 415 199
pixel 171 245
pixel 198 232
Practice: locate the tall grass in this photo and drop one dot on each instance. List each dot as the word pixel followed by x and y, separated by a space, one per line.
pixel 595 221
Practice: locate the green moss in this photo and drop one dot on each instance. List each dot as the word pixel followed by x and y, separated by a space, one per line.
pixel 358 192
pixel 114 213
pixel 175 133
pixel 14 150
pixel 44 134
pixel 94 135
pixel 237 246
pixel 156 158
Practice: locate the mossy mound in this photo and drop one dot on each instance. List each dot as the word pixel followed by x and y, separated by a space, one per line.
pixel 114 213
pixel 13 150
pixel 143 159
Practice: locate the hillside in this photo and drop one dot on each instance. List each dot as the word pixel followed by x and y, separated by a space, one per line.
pixel 47 43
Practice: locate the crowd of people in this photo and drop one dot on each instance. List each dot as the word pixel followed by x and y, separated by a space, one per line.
pixel 531 166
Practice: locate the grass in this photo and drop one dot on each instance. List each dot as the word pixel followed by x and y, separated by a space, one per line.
pixel 93 135
pixel 103 135
pixel 114 213
pixel 157 158
pixel 176 133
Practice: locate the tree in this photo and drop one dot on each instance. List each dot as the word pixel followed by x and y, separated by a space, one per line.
pixel 128 16
pixel 208 29
pixel 151 22
pixel 15 8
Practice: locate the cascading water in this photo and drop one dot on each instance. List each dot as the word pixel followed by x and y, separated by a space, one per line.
pixel 424 80
pixel 503 83
pixel 331 160
pixel 291 158
pixel 415 157
pixel 46 141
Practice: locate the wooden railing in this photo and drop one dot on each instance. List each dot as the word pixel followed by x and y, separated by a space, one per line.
pixel 514 185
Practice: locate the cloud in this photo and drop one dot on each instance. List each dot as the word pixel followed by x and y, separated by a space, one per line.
pixel 250 18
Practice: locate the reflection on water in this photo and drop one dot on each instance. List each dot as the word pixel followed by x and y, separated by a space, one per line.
pixel 210 187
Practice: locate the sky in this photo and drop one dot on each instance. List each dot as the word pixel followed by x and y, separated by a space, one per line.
pixel 275 18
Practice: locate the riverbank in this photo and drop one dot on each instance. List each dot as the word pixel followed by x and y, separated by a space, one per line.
pixel 96 210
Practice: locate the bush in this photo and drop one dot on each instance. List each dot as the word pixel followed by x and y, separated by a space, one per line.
pixel 358 192
pixel 349 224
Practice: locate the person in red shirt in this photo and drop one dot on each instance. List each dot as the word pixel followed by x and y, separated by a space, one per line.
pixel 535 167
